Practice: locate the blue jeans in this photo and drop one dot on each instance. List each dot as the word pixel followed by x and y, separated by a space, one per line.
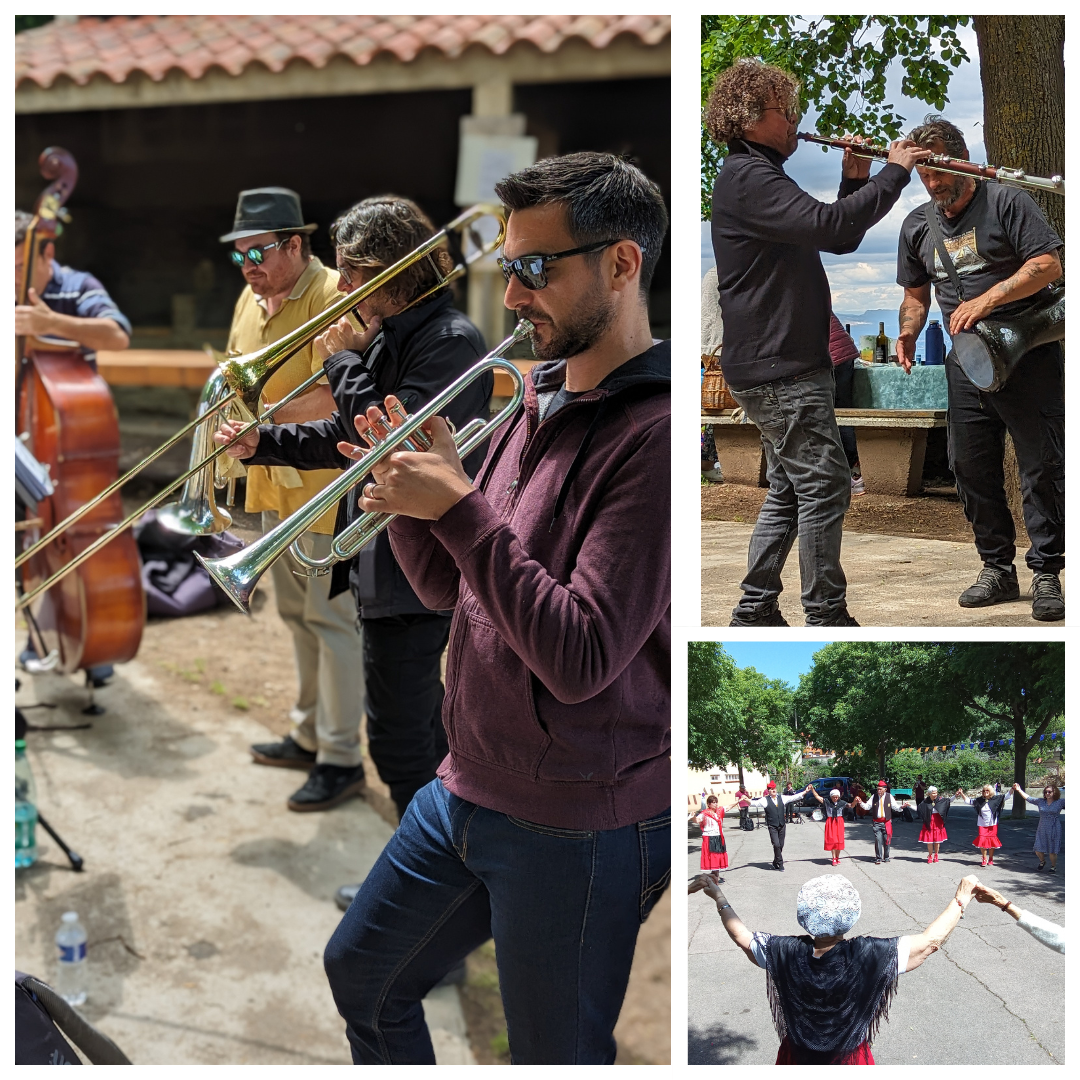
pixel 564 907
pixel 809 493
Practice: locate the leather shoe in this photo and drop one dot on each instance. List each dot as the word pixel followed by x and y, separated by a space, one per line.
pixel 1047 599
pixel 992 586
pixel 328 786
pixel 286 754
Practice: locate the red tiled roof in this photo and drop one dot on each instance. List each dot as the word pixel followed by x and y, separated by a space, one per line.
pixel 158 44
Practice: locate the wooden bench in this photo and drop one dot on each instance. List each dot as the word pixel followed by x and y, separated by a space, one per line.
pixel 892 447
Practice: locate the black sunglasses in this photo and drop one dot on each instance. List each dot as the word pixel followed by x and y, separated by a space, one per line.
pixel 529 269
pixel 255 254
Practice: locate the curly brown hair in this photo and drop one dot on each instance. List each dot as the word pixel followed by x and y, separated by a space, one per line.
pixel 379 231
pixel 740 95
pixel 935 128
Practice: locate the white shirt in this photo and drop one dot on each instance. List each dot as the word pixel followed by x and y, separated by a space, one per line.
pixel 880 816
pixel 763 801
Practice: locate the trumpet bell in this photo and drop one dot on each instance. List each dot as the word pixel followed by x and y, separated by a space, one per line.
pixel 196 518
pixel 235 575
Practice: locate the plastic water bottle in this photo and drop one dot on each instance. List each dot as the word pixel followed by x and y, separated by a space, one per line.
pixel 25 809
pixel 71 959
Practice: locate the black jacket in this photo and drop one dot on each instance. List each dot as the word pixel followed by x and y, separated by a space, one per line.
pixel 416 355
pixel 927 809
pixel 766 233
pixel 996 803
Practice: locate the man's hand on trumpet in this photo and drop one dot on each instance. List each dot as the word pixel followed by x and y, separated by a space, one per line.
pixel 242 448
pixel 420 485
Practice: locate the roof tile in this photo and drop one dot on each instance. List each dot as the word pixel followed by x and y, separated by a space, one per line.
pixel 118 46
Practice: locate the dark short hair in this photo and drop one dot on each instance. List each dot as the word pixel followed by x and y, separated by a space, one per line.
pixel 606 198
pixel 305 241
pixel 740 95
pixel 935 128
pixel 711 798
pixel 379 231
pixel 22 223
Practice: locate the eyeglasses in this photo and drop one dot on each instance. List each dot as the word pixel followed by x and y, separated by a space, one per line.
pixel 792 114
pixel 255 254
pixel 343 272
pixel 529 269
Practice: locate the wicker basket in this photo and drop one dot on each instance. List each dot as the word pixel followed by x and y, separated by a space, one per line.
pixel 715 396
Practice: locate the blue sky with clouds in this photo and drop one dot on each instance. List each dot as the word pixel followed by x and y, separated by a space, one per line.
pixel 785 660
pixel 866 279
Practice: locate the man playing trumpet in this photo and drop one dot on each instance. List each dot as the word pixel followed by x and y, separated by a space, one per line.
pixel 548 827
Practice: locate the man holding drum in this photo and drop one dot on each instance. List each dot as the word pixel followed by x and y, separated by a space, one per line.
pixel 1004 253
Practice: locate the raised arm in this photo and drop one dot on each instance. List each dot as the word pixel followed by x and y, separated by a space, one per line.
pixel 933 937
pixel 1022 793
pixel 812 791
pixel 734 926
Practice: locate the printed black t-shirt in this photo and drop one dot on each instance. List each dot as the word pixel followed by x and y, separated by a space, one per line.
pixel 1000 229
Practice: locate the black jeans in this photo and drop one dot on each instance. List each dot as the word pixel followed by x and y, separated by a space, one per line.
pixel 1031 408
pixel 881 840
pixel 402 655
pixel 844 374
pixel 777 837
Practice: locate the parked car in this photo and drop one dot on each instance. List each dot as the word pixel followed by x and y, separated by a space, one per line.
pixel 823 785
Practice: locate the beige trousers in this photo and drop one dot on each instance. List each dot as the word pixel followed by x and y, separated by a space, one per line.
pixel 329 656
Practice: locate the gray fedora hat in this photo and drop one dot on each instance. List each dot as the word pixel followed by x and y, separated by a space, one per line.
pixel 267 209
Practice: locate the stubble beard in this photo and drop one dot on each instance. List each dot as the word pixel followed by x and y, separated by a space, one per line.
pixel 578 333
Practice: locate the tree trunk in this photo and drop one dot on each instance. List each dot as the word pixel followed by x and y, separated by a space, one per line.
pixel 1019 804
pixel 742 782
pixel 1022 65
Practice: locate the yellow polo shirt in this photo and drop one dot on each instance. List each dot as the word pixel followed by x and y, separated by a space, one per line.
pixel 285 490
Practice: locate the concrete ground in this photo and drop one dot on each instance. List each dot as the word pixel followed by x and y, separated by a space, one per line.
pixel 892 581
pixel 207 903
pixel 992 996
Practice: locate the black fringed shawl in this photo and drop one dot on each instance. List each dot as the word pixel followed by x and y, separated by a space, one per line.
pixel 829 1006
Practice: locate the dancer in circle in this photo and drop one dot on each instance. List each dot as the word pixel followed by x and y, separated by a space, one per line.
pixel 833 808
pixel 713 852
pixel 987 809
pixel 881 807
pixel 829 994
pixel 934 811
pixel 1049 835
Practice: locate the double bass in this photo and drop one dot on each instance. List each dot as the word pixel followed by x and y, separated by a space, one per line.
pixel 66 416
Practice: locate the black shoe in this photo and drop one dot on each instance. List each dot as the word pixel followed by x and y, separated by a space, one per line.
pixel 771 618
pixel 888 860
pixel 1047 600
pixel 1053 869
pixel 345 896
pixel 328 786
pixel 285 754
pixel 877 862
pixel 992 586
pixel 843 619
pixel 1041 866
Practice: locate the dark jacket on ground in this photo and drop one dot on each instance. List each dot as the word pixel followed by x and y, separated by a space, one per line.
pixel 417 355
pixel 766 233
pixel 558 676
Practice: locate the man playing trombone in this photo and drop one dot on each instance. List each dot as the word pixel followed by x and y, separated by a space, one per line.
pixel 548 827
pixel 411 349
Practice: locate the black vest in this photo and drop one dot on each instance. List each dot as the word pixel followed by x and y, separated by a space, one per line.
pixel 774 812
pixel 888 806
pixel 834 809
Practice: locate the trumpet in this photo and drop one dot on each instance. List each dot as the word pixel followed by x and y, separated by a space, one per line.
pixel 944 163
pixel 239 384
pixel 238 574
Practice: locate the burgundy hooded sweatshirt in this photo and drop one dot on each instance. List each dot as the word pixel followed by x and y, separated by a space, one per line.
pixel 558 567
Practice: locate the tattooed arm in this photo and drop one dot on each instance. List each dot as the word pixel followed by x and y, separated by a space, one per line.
pixel 913 310
pixel 1029 279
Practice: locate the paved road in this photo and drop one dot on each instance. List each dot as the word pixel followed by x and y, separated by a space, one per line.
pixel 892 581
pixel 992 996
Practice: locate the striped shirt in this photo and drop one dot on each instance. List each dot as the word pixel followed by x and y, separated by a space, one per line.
pixel 78 293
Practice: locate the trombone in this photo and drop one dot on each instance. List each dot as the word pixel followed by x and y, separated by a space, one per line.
pixel 239 382
pixel 238 574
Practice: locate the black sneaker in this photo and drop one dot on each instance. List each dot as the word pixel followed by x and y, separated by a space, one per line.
pixel 328 786
pixel 992 586
pixel 1047 599
pixel 843 619
pixel 772 618
pixel 285 754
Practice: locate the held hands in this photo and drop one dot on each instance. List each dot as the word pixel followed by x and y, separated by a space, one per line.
pixel 985 895
pixel 970 312
pixel 422 485
pixel 343 335
pixel 707 884
pixel 242 448
pixel 34 318
pixel 906 154
pixel 965 888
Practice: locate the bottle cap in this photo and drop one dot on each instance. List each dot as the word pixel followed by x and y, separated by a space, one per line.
pixel 20 744
pixel 70 916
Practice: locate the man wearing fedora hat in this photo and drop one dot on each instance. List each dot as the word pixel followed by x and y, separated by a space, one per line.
pixel 286 287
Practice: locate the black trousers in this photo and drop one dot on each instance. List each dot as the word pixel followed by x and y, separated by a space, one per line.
pixel 777 837
pixel 844 374
pixel 402 656
pixel 1031 408
pixel 881 841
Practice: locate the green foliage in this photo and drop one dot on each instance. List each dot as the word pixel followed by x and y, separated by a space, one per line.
pixel 735 714
pixel 967 769
pixel 842 62
pixel 28 22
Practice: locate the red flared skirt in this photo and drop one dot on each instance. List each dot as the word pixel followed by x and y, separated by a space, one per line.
pixel 712 860
pixel 935 832
pixel 834 833
pixel 987 838
pixel 859 1056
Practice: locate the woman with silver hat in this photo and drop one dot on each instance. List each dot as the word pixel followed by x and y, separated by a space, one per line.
pixel 809 979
